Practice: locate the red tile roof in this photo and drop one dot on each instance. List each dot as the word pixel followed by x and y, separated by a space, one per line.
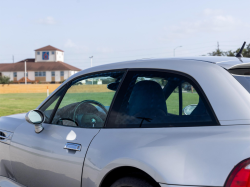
pixel 48 48
pixel 27 60
pixel 37 66
pixel 23 80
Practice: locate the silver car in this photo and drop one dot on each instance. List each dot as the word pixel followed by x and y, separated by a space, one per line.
pixel 143 123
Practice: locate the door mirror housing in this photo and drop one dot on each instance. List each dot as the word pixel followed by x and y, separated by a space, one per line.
pixel 35 117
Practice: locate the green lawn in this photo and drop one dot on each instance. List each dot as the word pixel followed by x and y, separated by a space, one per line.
pixel 23 102
pixel 20 102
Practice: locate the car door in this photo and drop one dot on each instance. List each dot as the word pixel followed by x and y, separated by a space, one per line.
pixel 155 120
pixel 74 115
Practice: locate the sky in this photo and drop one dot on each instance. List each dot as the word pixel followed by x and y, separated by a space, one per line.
pixel 120 30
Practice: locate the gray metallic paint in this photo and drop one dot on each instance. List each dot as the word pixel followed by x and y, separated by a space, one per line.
pixel 214 80
pixel 198 156
pixel 6 182
pixel 201 156
pixel 40 159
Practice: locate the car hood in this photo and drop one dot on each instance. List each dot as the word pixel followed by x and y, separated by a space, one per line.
pixel 10 123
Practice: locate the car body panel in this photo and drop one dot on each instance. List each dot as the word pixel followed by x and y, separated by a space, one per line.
pixel 41 160
pixel 195 156
pixel 6 182
pixel 5 163
pixel 220 83
pixel 10 123
pixel 178 155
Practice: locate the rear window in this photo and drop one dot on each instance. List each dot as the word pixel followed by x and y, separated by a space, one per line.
pixel 242 76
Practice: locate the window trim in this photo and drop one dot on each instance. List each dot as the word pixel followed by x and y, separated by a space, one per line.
pixel 192 80
pixel 68 84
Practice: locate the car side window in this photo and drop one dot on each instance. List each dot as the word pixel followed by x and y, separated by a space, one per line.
pixel 159 99
pixel 87 100
pixel 50 105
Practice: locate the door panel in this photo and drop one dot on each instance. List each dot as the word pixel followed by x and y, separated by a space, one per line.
pixel 40 160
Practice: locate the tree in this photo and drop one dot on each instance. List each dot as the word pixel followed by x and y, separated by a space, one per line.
pixel 4 80
pixel 229 53
pixel 218 52
pixel 245 52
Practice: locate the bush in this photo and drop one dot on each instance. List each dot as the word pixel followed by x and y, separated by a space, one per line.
pixel 4 80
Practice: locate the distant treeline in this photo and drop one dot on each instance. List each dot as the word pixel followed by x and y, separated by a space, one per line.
pixel 219 52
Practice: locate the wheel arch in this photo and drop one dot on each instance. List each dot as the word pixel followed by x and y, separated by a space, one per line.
pixel 123 171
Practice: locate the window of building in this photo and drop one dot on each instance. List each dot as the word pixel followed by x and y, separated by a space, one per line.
pixel 159 99
pixel 53 52
pixel 52 73
pixel 62 73
pixel 38 52
pixel 14 74
pixel 40 74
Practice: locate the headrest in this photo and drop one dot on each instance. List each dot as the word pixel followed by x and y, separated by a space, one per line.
pixel 147 95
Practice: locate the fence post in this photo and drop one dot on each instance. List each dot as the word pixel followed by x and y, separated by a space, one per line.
pixel 47 91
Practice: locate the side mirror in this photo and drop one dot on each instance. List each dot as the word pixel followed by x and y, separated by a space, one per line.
pixel 189 109
pixel 36 118
pixel 113 86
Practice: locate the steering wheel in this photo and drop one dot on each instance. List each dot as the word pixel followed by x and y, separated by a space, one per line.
pixel 94 118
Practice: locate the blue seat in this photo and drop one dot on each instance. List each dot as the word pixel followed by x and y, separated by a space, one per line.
pixel 147 100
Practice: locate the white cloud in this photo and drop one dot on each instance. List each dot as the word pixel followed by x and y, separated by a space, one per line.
pixel 104 50
pixel 69 43
pixel 81 48
pixel 214 12
pixel 209 21
pixel 78 48
pixel 47 21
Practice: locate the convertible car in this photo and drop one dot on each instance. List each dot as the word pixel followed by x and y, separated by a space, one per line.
pixel 142 123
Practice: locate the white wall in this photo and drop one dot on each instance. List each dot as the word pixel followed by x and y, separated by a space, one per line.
pixel 48 76
pixel 20 74
pixel 39 58
pixel 31 75
pixel 57 76
pixel 66 74
pixel 72 72
pixel 8 74
pixel 60 56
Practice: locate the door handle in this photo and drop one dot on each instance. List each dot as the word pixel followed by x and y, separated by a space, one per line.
pixel 4 137
pixel 73 146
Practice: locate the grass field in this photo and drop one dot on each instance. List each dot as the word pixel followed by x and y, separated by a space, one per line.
pixel 20 102
pixel 24 102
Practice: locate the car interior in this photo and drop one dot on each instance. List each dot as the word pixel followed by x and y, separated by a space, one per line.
pixel 144 105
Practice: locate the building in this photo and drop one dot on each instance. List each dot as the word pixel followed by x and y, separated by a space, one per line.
pixel 48 66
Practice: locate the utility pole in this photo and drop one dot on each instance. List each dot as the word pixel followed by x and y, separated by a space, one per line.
pixel 25 72
pixel 13 58
pixel 218 46
pixel 91 58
